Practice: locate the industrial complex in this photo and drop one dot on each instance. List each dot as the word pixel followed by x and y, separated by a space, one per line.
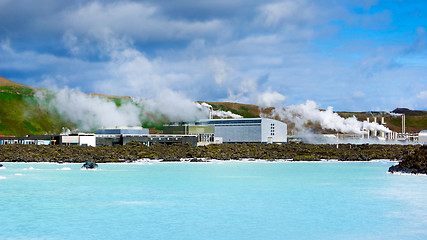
pixel 391 136
pixel 210 131
pixel 203 132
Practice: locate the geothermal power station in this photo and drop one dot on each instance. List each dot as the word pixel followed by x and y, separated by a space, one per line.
pixel 217 131
pixel 203 132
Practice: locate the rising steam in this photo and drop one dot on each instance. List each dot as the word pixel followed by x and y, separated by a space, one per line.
pixel 302 114
pixel 219 113
pixel 90 112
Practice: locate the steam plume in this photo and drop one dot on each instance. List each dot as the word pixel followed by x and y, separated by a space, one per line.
pixel 302 114
pixel 219 113
pixel 91 112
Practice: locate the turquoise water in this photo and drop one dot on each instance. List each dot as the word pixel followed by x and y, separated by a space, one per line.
pixel 231 200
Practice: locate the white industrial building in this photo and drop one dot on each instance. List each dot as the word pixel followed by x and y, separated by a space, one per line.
pixel 422 137
pixel 82 139
pixel 247 130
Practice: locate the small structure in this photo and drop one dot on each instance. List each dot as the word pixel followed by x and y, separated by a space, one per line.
pixel 205 134
pixel 115 136
pixel 422 137
pixel 123 130
pixel 82 139
pixel 109 139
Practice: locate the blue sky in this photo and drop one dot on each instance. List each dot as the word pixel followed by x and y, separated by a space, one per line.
pixel 354 55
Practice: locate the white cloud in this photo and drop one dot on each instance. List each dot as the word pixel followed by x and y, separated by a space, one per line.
pixel 420 40
pixel 366 4
pixel 359 94
pixel 70 41
pixel 422 95
pixel 129 71
pixel 270 99
pixel 286 12
pixel 53 82
pixel 221 70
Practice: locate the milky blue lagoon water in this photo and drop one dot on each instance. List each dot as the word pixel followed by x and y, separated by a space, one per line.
pixel 230 200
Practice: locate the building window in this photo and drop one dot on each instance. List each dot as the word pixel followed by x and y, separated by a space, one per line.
pixel 272 129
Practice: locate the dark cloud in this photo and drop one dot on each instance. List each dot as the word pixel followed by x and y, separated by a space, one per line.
pixel 208 9
pixel 218 50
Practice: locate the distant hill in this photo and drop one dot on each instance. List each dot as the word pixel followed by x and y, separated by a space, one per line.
pixel 21 114
pixel 407 111
pixel 5 82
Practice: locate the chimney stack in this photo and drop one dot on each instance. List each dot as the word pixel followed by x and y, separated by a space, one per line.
pixel 403 123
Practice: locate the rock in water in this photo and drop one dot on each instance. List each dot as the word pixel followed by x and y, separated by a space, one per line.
pixel 415 163
pixel 90 165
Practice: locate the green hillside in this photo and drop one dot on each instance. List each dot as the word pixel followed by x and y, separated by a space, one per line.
pixel 20 114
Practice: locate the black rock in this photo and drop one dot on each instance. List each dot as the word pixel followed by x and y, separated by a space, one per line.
pixel 413 162
pixel 196 160
pixel 90 165
pixel 171 160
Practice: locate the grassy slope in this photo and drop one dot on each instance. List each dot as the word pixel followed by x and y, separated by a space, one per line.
pixel 245 110
pixel 21 115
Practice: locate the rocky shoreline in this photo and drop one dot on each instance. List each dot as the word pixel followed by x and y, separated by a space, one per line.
pixel 135 150
pixel 412 163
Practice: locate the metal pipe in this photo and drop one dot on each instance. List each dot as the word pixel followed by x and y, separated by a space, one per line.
pixel 403 123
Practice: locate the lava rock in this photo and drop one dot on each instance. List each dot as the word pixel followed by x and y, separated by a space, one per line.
pixel 90 165
pixel 413 162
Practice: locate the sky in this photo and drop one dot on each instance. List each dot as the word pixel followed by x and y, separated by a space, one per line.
pixel 353 55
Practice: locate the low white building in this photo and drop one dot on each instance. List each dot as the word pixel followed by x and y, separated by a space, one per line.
pixel 82 139
pixel 422 137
